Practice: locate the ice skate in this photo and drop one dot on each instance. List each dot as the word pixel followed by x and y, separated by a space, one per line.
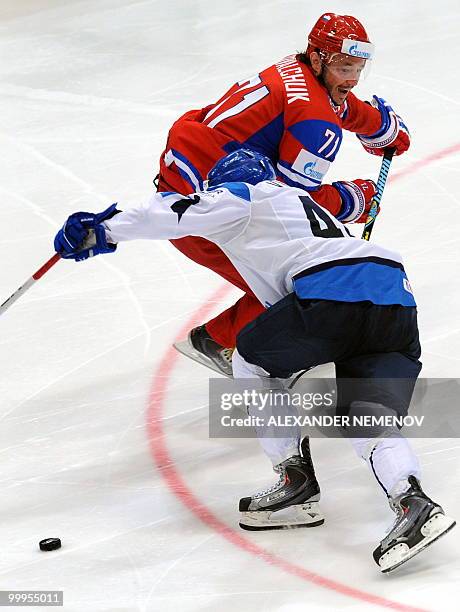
pixel 291 502
pixel 200 347
pixel 419 523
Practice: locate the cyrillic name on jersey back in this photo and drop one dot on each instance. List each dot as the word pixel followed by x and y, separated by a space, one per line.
pixel 294 79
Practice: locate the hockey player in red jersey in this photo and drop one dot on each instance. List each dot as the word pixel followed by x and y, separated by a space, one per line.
pixel 293 112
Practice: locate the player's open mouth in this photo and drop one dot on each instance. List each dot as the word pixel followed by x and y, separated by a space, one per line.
pixel 343 91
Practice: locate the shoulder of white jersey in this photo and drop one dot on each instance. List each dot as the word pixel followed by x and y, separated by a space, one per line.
pixel 272 188
pixel 275 183
pixel 248 192
pixel 240 190
pixel 267 187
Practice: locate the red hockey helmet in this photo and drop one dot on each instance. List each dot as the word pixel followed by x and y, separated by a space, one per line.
pixel 334 33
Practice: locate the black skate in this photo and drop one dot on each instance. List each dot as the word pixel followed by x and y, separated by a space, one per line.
pixel 419 523
pixel 200 347
pixel 291 502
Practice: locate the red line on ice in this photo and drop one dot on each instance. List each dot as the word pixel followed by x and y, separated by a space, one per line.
pixel 180 489
pixel 426 161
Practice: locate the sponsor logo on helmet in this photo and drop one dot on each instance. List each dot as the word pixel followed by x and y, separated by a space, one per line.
pixel 355 48
pixel 357 53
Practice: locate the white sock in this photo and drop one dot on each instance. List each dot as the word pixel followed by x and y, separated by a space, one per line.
pixel 277 449
pixel 391 460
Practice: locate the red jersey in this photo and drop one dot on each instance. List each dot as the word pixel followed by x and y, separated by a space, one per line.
pixel 285 113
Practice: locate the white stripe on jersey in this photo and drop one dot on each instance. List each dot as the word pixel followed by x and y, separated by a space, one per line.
pixel 170 158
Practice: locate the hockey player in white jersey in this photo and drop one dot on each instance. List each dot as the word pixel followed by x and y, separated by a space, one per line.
pixel 330 297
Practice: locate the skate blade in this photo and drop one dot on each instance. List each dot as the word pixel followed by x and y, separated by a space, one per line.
pixel 187 349
pixel 435 527
pixel 301 515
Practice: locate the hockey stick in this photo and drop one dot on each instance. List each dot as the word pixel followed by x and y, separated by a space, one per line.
pixel 88 242
pixel 381 181
pixel 29 282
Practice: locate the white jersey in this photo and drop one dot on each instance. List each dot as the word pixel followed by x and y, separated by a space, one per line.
pixel 277 238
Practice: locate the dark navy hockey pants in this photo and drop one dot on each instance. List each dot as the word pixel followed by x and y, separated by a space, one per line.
pixel 376 346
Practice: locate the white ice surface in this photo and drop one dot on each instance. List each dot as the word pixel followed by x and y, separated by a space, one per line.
pixel 88 90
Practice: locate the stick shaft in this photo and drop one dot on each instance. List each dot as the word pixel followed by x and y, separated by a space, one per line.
pixel 29 282
pixel 381 181
pixel 46 266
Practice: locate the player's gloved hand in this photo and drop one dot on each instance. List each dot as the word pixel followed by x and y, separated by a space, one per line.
pixel 356 199
pixel 83 235
pixel 392 133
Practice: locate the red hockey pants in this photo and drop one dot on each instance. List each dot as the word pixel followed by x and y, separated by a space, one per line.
pixel 201 146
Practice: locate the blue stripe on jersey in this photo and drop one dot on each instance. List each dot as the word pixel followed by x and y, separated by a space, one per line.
pixel 312 135
pixel 191 169
pixel 165 194
pixel 267 139
pixel 356 280
pixel 240 190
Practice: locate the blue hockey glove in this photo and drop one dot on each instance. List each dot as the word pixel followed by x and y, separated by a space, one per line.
pixel 83 235
pixel 392 133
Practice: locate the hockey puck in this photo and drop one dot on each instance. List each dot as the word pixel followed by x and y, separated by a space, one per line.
pixel 50 544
